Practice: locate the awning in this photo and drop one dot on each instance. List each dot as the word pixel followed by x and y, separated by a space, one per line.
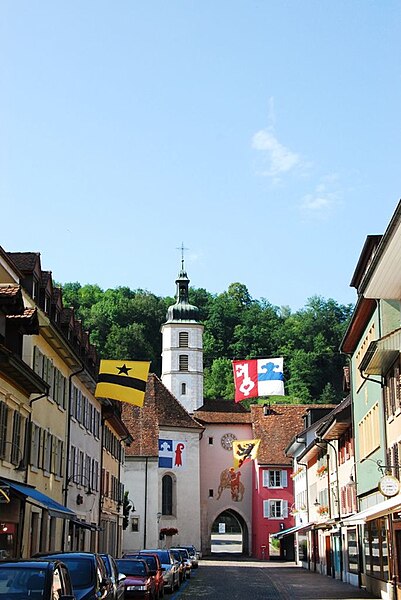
pixel 285 532
pixel 86 525
pixel 55 509
pixel 381 354
pixel 374 512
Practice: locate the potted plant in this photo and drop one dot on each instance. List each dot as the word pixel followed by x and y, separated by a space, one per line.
pixel 168 532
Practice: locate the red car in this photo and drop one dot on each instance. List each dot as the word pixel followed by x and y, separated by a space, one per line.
pixel 155 568
pixel 138 582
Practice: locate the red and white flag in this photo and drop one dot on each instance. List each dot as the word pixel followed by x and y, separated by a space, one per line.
pixel 258 377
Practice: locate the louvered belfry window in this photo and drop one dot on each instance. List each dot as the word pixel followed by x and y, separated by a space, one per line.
pixel 183 362
pixel 183 339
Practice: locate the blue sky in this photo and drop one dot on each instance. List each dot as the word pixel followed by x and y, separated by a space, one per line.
pixel 265 135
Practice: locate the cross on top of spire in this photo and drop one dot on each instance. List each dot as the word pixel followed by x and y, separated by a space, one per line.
pixel 182 248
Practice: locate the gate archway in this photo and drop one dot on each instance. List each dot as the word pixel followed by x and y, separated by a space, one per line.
pixel 229 534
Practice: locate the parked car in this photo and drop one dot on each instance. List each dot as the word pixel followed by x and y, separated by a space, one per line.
pixel 180 562
pixel 88 574
pixel 186 561
pixel 155 568
pixel 116 577
pixel 138 581
pixel 193 554
pixel 35 578
pixel 169 566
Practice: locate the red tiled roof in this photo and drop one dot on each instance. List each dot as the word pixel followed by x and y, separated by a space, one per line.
pixel 9 291
pixel 26 314
pixel 160 409
pixel 276 430
pixel 222 411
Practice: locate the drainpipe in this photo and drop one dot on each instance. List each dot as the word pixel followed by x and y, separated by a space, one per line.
pixel 146 502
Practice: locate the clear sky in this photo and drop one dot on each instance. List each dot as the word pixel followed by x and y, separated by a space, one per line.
pixel 263 134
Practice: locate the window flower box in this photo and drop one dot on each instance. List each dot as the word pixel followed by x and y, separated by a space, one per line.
pixel 321 471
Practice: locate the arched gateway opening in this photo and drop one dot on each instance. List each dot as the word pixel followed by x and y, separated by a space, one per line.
pixel 229 534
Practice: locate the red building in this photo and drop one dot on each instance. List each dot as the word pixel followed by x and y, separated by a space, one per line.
pixel 275 425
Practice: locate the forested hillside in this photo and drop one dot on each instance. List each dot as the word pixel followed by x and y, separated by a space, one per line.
pixel 126 323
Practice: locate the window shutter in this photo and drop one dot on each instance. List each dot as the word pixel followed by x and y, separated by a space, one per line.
pixel 284 508
pixel 284 480
pixel 265 475
pixel 266 509
pixel 37 361
pixel 397 384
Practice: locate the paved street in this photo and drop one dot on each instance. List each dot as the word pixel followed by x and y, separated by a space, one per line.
pixel 232 579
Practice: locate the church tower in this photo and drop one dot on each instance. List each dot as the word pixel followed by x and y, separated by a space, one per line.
pixel 182 351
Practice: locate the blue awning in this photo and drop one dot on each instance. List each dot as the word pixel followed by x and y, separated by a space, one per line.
pixel 55 508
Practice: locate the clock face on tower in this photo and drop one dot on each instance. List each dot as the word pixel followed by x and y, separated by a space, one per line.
pixel 227 440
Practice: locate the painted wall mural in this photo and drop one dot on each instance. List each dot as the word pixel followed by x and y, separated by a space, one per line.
pixel 230 479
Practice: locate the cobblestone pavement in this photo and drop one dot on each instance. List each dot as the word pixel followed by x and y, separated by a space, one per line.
pixel 225 579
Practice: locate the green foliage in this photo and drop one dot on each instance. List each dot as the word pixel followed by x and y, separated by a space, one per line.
pixel 219 381
pixel 126 324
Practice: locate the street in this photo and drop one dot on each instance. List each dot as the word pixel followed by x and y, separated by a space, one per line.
pixel 239 579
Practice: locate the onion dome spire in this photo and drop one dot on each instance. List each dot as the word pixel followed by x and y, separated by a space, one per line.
pixel 182 310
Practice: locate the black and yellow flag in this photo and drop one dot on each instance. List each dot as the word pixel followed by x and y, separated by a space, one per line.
pixel 123 380
pixel 244 451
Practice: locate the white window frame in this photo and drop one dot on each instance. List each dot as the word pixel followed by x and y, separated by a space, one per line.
pixel 282 477
pixel 270 506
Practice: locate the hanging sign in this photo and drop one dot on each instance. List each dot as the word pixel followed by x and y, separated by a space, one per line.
pixel 389 486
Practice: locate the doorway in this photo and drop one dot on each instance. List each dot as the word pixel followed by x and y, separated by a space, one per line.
pixel 229 534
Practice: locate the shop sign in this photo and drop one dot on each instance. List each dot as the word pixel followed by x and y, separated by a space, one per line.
pixel 389 486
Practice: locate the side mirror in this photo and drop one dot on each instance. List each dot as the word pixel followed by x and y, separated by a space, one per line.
pixel 121 577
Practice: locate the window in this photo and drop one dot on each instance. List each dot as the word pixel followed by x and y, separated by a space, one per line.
pixel 275 509
pixel 211 441
pixel 16 450
pixel 274 478
pixel 376 549
pixel 369 432
pixel 3 428
pixel 36 434
pixel 135 524
pixel 352 546
pixel 210 493
pixel 392 390
pixel 183 389
pixel 47 451
pixel 183 339
pixel 58 459
pixel 183 362
pixel 167 495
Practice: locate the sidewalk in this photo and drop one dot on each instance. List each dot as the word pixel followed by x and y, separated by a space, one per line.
pixel 296 583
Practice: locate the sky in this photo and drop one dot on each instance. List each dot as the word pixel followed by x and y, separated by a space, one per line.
pixel 263 135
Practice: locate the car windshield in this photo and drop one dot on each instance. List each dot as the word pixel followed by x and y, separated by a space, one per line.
pixel 18 582
pixel 129 566
pixel 81 570
pixel 176 554
pixel 150 560
pixel 164 556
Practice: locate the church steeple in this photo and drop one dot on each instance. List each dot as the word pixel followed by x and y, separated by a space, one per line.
pixel 182 354
pixel 182 310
